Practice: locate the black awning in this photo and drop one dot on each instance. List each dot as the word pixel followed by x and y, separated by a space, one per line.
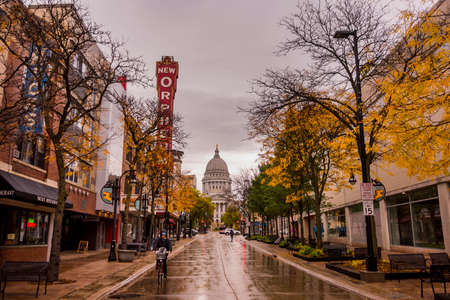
pixel 16 187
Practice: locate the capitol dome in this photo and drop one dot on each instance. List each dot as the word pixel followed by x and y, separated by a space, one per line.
pixel 216 184
pixel 216 165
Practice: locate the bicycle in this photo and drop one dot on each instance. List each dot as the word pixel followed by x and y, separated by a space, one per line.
pixel 161 255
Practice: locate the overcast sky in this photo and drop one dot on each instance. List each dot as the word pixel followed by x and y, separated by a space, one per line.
pixel 220 46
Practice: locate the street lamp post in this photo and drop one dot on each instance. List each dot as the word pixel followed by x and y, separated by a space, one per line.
pixel 114 183
pixel 247 215
pixel 371 262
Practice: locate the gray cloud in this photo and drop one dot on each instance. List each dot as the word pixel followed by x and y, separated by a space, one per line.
pixel 220 46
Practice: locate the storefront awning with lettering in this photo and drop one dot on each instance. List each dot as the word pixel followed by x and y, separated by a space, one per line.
pixel 16 187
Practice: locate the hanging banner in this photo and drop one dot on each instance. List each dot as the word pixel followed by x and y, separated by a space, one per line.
pixel 32 120
pixel 166 84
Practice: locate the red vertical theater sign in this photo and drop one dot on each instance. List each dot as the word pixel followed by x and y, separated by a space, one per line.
pixel 166 84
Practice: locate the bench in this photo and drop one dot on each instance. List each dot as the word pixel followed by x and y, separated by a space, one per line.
pixel 334 250
pixel 409 261
pixel 439 258
pixel 24 271
pixel 140 248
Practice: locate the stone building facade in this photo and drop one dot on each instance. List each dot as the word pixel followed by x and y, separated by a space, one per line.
pixel 216 184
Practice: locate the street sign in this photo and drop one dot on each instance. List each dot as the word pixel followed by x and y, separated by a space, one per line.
pixel 368 208
pixel 106 195
pixel 366 189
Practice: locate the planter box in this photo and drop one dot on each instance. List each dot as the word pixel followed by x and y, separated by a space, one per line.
pixel 126 255
pixel 343 270
pixel 406 275
pixel 338 267
pixel 369 276
pixel 324 258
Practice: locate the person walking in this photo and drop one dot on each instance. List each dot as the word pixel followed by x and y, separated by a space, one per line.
pixel 231 234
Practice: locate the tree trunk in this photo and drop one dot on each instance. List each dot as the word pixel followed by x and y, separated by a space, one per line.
pixel 53 269
pixel 152 215
pixel 302 229
pixel 318 223
pixel 139 225
pixel 308 211
pixel 289 219
pixel 125 219
pixel 276 226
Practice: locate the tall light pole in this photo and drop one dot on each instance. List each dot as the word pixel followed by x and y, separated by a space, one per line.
pixel 247 187
pixel 114 183
pixel 371 262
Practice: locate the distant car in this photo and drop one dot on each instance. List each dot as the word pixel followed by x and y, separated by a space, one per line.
pixel 235 232
pixel 222 231
pixel 187 230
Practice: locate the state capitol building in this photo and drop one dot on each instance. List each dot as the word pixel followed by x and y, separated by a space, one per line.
pixel 216 184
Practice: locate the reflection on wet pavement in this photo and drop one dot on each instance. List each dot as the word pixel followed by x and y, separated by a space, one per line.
pixel 212 267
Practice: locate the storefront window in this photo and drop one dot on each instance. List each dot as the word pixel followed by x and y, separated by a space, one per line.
pixel 400 225
pixel 416 221
pixel 23 227
pixel 336 223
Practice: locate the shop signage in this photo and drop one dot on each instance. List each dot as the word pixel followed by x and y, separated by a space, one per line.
pixel 46 200
pixel 380 192
pixel 6 193
pixel 31 223
pixel 106 195
pixel 32 121
pixel 166 84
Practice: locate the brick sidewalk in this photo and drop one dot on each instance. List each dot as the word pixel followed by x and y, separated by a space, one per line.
pixel 84 275
pixel 390 289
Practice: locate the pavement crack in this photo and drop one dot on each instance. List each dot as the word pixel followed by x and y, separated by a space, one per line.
pixel 220 252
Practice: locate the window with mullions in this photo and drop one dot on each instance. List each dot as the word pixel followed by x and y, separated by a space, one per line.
pixel 415 219
pixel 31 150
pixel 23 227
pixel 79 173
pixel 336 223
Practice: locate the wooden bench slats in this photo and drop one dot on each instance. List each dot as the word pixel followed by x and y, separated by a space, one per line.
pixel 23 271
pixel 407 261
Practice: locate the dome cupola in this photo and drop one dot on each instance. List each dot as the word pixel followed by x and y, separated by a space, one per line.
pixel 216 165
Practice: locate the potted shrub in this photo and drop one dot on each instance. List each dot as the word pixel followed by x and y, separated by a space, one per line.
pixel 284 244
pixel 126 255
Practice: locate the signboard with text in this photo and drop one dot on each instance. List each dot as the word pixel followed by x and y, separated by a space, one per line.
pixel 366 189
pixel 166 84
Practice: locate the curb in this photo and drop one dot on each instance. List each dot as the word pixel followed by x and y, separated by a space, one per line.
pixel 109 290
pixel 327 279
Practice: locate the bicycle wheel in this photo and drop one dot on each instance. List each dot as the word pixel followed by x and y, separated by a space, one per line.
pixel 160 274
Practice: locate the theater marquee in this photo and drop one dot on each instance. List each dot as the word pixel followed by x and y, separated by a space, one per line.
pixel 166 84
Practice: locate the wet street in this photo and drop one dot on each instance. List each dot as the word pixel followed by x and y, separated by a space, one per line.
pixel 212 267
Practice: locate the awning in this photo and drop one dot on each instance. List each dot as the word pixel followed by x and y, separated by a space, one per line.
pixel 16 187
pixel 163 213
